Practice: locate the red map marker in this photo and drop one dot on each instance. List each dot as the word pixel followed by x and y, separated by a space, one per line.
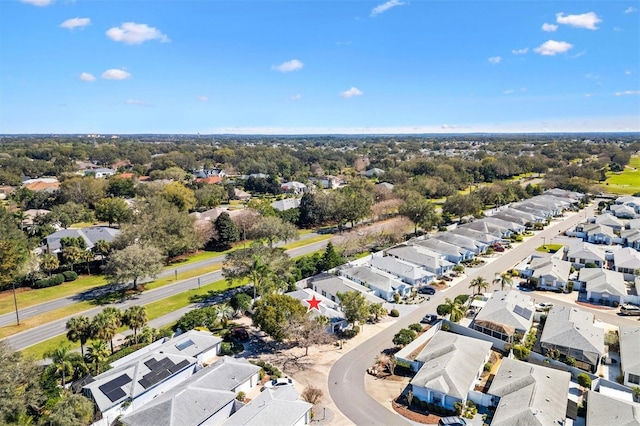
pixel 313 303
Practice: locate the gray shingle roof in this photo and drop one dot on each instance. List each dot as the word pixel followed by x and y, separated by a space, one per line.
pixel 374 278
pixel 332 284
pixel 91 235
pixel 185 405
pixel 486 227
pixel 399 267
pixel 442 247
pixel 627 258
pixel 573 328
pixel 630 349
pixel 420 256
pixel 530 395
pixel 603 410
pixel 603 281
pixel 483 237
pixel 451 363
pixel 551 266
pixel 502 307
pixel 279 406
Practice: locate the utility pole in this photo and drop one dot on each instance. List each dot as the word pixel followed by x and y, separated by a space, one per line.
pixel 15 301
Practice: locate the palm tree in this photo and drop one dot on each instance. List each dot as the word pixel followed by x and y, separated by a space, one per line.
pixel 102 248
pixel 224 312
pixel 79 329
pixel 503 279
pixel 49 262
pixel 106 324
pixel 97 354
pixel 72 255
pixel 480 284
pixel 457 311
pixel 259 273
pixel 136 318
pixel 65 363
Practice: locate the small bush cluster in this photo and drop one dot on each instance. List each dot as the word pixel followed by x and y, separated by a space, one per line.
pixel 349 333
pixel 272 371
pixel 49 282
pixel 432 408
pixel 394 313
pixel 70 276
pixel 415 327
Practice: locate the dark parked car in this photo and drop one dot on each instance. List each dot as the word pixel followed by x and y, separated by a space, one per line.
pixel 429 319
pixel 452 421
pixel 427 290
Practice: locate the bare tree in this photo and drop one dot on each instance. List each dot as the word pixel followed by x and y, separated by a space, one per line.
pixel 307 331
pixel 312 395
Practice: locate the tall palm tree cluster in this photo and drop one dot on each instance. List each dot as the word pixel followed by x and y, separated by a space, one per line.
pixel 67 364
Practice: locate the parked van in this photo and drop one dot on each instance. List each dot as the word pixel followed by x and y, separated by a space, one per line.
pixel 629 310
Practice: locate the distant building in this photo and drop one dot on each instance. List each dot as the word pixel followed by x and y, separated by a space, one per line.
pixel 100 173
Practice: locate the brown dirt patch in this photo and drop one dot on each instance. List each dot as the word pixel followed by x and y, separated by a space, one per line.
pixel 591 305
pixel 404 411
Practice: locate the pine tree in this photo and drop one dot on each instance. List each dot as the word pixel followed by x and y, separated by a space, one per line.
pixel 227 230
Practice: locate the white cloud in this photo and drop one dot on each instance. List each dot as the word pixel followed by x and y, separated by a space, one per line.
pixel 202 98
pixel 617 29
pixel 85 76
pixel 520 51
pixel 523 89
pixel 577 55
pixel 296 97
pixel 132 33
pixel 381 8
pixel 588 95
pixel 354 91
pixel 508 91
pixel 552 48
pixel 591 76
pixel 135 102
pixel 115 74
pixel 628 92
pixel 549 27
pixel 38 2
pixel 494 59
pixel 630 9
pixel 292 65
pixel 343 43
pixel 627 72
pixel 585 20
pixel 75 23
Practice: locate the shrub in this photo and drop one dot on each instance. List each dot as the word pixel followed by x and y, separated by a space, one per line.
pixel 615 304
pixel 70 276
pixel 394 313
pixel 570 286
pixel 404 337
pixel 520 351
pixel 49 282
pixel 488 366
pixel 415 327
pixel 461 299
pixel 272 371
pixel 443 310
pixel 584 380
pixel 241 396
pixel 225 349
pixel 312 395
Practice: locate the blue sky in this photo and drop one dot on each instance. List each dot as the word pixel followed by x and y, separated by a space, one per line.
pixel 299 66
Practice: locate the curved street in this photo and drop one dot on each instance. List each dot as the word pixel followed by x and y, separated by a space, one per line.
pixel 346 378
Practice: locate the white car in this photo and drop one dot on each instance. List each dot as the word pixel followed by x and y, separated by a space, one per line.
pixel 544 306
pixel 276 383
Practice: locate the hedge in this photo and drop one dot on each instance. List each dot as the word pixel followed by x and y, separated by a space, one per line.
pixel 70 276
pixel 49 282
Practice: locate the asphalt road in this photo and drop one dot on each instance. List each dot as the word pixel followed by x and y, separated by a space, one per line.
pixel 10 318
pixel 346 378
pixel 35 335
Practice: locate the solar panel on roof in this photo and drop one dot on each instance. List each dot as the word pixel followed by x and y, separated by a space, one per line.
pixel 144 383
pixel 182 346
pixel 115 394
pixel 115 384
pixel 163 374
pixel 179 366
pixel 527 313
pixel 150 363
pixel 517 309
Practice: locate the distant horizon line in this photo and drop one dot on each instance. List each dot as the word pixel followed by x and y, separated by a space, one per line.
pixel 591 132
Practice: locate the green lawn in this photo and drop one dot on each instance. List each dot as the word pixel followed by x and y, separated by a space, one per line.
pixel 301 243
pixel 29 297
pixel 549 248
pixel 626 182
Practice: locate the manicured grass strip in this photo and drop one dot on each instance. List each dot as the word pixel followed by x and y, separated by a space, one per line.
pixel 37 351
pixel 549 248
pixel 181 300
pixel 29 297
pixel 302 243
pixel 47 317
pixel 161 282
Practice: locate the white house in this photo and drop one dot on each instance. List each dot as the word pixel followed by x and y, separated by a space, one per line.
pixel 629 359
pixel 430 260
pixel 326 307
pixel 627 261
pixel 571 332
pixel 100 173
pixel 529 394
pixel 330 285
pixel 551 273
pixel 451 366
pixel 603 286
pixel 408 272
pixel 505 314
pixel 604 410
pixel 383 284
pixel 294 187
pixel 278 406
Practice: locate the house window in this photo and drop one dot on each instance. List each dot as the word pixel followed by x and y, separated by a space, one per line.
pixel 634 378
